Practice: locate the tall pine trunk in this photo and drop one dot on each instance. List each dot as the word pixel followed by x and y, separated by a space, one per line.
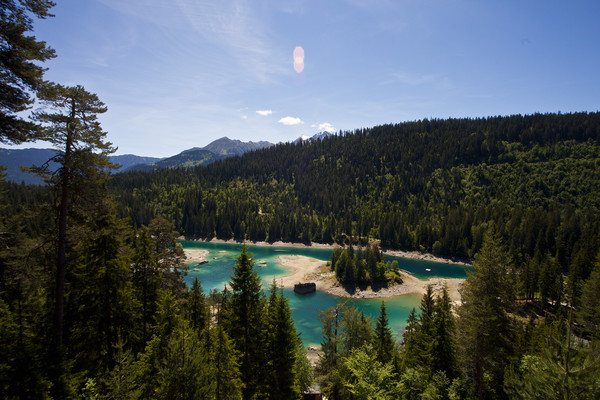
pixel 61 261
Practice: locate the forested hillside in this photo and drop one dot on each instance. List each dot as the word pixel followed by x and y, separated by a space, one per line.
pixel 93 304
pixel 431 185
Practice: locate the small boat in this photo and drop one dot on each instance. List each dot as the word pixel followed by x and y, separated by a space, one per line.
pixel 428 269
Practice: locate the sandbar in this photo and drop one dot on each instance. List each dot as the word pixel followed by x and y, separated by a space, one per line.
pixel 414 255
pixel 195 255
pixel 306 269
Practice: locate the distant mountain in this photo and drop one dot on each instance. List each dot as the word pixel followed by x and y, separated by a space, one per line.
pixel 315 137
pixel 187 158
pixel 228 147
pixel 217 150
pixel 12 159
pixel 129 160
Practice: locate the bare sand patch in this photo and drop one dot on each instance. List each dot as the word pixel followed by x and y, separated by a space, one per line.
pixel 195 255
pixel 306 269
pixel 415 255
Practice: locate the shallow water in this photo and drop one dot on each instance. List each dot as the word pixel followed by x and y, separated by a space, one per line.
pixel 217 272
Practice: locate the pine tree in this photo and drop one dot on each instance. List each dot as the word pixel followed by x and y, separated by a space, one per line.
pixel 70 123
pixel 485 328
pixel 20 75
pixel 550 282
pixel 383 342
pixel 409 340
pixel 281 348
pixel 166 320
pixel 418 336
pixel 304 370
pixel 427 314
pixel 367 378
pixel 101 304
pixel 355 329
pixel 228 383
pixel 589 315
pixel 20 370
pixel 119 382
pixel 330 357
pixel 197 308
pixel 184 372
pixel 444 349
pixel 146 279
pixel 169 254
pixel 563 368
pixel 245 322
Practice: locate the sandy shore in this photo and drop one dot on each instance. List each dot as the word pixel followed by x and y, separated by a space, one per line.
pixel 195 255
pixel 306 269
pixel 414 255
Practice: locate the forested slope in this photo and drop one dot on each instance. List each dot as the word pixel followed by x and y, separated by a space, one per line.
pixel 430 185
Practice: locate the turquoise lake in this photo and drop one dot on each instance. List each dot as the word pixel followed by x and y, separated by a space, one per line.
pixel 305 308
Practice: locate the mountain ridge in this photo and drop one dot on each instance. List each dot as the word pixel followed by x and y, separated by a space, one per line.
pixel 214 151
pixel 219 149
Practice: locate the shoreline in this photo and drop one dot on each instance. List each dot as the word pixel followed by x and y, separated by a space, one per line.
pixel 304 269
pixel 412 255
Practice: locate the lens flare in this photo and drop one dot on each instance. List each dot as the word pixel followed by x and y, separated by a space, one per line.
pixel 299 59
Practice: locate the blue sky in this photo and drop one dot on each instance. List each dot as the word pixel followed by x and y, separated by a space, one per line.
pixel 177 74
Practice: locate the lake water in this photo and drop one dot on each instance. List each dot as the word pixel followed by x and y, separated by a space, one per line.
pixel 305 308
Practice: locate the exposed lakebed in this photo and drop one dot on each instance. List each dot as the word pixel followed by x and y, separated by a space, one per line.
pixel 305 308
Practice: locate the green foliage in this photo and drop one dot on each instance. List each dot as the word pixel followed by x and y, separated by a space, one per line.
pixel 168 254
pixel 101 304
pixel 428 345
pixel 69 122
pixel 120 381
pixel 412 185
pixel 228 383
pixel 590 303
pixel 366 377
pixel 485 328
pixel 183 372
pixel 329 358
pixel 132 328
pixel 362 266
pixel 21 372
pixel 20 74
pixel 245 322
pixel 564 368
pixel 281 348
pixel 304 371
pixel 197 309
pixel 383 343
pixel 431 185
pixel 438 387
pixel 167 320
pixel 444 347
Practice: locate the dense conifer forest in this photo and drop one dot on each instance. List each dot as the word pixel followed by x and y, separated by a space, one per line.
pixel 362 266
pixel 433 186
pixel 92 299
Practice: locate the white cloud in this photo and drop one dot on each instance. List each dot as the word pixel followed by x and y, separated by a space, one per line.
pixel 264 113
pixel 291 121
pixel 325 127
